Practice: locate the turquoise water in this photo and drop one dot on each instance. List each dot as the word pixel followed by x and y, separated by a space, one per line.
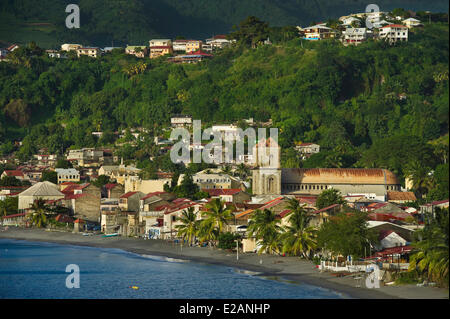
pixel 37 270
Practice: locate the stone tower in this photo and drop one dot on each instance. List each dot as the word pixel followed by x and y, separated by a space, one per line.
pixel 267 174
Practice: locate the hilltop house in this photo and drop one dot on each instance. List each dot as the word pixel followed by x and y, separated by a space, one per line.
pixel 307 149
pixel 318 32
pixel 354 36
pixel 219 42
pixel 138 51
pixel 393 33
pixel 160 47
pixel 70 47
pixel 92 52
pixel 181 120
pixel 411 23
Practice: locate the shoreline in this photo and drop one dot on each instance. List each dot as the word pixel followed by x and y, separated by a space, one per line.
pixel 269 266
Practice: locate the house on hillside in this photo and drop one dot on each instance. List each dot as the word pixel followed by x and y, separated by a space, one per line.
pixel 92 52
pixel 160 47
pixel 354 36
pixel 307 149
pixel 318 32
pixel 412 23
pixel 139 51
pixel 393 33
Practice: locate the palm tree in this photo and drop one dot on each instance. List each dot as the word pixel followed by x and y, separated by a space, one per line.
pixel 38 215
pixel 432 252
pixel 265 227
pixel 226 169
pixel 242 171
pixel 421 180
pixel 299 237
pixel 218 213
pixel 190 226
pixel 207 231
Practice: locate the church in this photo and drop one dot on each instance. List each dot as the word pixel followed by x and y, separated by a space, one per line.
pixel 270 179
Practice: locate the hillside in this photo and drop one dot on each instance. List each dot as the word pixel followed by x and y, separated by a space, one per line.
pixel 353 101
pixel 121 22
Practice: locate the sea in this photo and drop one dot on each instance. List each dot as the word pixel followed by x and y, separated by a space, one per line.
pixel 37 270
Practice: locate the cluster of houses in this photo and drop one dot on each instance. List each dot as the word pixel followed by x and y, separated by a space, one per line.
pixel 179 50
pixel 132 206
pixel 351 31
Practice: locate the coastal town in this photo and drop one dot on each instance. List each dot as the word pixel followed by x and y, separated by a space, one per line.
pixel 343 220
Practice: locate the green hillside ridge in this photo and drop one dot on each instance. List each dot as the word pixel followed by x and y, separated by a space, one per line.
pixel 120 22
pixel 347 99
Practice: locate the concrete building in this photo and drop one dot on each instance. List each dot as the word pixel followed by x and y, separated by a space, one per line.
pixel 92 52
pixel 307 149
pixel 393 33
pixel 67 175
pixel 181 121
pixel 70 47
pixel 354 36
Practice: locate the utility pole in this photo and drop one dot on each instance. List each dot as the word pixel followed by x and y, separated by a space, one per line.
pixel 237 249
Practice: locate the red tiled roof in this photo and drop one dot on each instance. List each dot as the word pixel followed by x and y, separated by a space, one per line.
pixel 284 213
pixel 127 195
pixel 409 196
pixel 439 202
pixel 14 215
pixel 219 191
pixel 160 47
pixel 394 26
pixel 64 219
pixel 326 208
pixel 13 173
pixel 153 194
pixel 110 185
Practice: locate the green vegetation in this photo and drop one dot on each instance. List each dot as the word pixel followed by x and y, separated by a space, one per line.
pixel 353 101
pixel 430 258
pixel 347 235
pixel 228 240
pixel 329 197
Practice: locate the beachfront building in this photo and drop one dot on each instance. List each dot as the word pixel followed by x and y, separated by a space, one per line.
pixel 42 190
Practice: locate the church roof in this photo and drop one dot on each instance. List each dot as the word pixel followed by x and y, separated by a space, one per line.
pixel 374 176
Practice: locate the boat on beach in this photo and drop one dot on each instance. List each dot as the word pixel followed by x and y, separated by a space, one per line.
pixel 111 235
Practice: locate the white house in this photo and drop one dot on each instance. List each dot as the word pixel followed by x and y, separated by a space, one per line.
pixel 411 22
pixel 394 33
pixel 354 36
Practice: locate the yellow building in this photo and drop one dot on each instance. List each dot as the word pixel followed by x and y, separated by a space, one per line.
pixel 193 45
pixel 89 51
pixel 67 175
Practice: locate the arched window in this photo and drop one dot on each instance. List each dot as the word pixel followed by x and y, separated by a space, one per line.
pixel 270 184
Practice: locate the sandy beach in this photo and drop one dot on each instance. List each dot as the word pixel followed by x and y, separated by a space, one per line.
pixel 289 268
